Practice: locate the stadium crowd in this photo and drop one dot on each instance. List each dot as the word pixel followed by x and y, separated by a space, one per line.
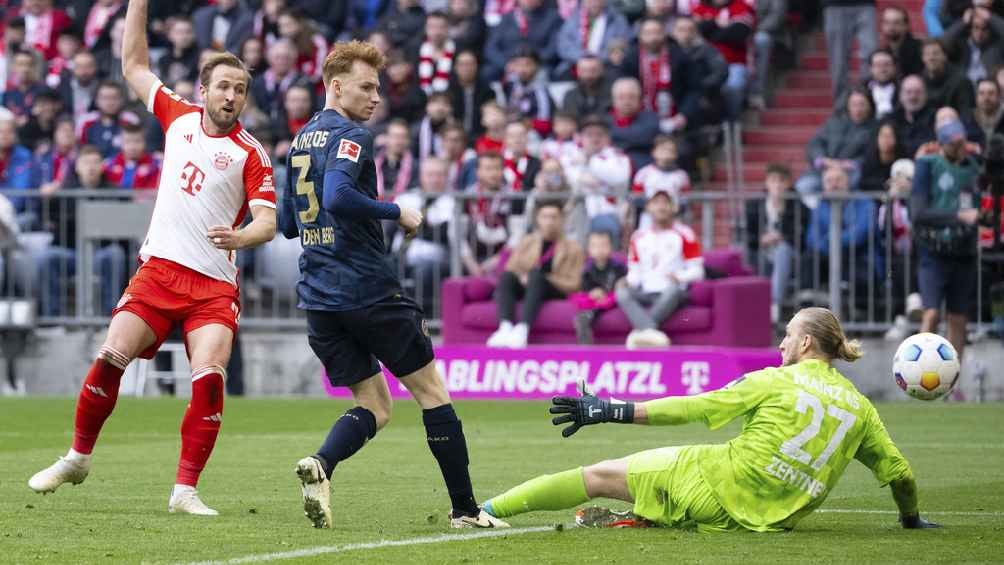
pixel 615 102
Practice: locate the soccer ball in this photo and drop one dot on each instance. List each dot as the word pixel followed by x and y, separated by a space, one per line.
pixel 926 366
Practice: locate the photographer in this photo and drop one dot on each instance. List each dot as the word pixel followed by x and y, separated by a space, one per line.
pixel 943 205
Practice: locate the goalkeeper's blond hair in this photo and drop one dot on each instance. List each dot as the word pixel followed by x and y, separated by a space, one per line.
pixel 824 328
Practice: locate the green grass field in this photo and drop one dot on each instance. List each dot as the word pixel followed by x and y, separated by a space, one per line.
pixel 392 490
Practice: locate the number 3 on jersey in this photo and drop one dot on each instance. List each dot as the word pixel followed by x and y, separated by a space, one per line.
pixel 793 447
pixel 305 187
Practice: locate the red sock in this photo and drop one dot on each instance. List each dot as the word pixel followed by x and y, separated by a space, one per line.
pixel 201 424
pixel 97 398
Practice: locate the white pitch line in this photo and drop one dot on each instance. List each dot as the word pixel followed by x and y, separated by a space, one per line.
pixel 322 550
pixel 938 512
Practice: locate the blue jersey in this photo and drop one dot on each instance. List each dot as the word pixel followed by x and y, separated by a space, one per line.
pixel 345 264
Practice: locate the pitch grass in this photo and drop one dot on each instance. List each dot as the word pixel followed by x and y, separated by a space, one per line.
pixel 392 490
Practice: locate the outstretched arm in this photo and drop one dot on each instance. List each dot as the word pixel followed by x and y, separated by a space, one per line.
pixel 136 52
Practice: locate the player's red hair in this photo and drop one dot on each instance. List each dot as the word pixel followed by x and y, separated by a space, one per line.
pixel 339 60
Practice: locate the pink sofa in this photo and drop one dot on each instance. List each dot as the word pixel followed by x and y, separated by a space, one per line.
pixel 731 311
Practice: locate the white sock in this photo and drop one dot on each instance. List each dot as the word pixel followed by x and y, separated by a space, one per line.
pixel 181 489
pixel 77 457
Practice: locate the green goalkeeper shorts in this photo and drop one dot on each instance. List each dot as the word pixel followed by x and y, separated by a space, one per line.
pixel 668 489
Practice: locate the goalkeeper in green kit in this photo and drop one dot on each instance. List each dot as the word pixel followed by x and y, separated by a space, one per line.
pixel 803 423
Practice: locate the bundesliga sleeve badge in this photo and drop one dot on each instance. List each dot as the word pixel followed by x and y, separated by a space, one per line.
pixel 349 150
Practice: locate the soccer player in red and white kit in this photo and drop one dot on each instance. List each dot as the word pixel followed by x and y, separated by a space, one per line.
pixel 213 172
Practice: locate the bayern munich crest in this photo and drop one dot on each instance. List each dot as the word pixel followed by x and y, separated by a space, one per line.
pixel 221 161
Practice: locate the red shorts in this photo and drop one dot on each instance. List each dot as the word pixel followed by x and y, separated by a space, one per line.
pixel 164 293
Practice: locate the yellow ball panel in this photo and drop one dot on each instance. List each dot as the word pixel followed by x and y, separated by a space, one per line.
pixel 930 380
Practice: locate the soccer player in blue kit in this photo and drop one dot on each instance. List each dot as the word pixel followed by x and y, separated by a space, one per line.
pixel 357 313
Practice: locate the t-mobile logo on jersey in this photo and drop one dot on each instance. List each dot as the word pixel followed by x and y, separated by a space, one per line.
pixel 192 178
pixel 694 376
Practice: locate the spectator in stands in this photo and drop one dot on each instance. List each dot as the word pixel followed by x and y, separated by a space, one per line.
pixel 467 28
pixel 133 167
pixel 486 221
pixel 591 93
pixel 663 173
pixel 663 10
pixel 266 21
pixel 714 69
pixel 253 55
pixel 977 41
pixel 269 89
pixel 405 99
pixel 599 283
pixel 55 163
pixel 110 56
pixel 12 42
pixel 223 25
pixel 632 128
pixel 775 229
pixel 771 17
pixel 311 47
pixel 58 262
pixel 521 168
pixel 428 138
pixel 329 17
pixel 883 152
pixel 99 19
pixel 396 167
pixel 843 22
pixel 544 265
pixel 367 13
pixel 670 83
pixel 68 45
pixel 42 25
pixel 403 24
pixel 493 123
pixel 24 86
pixel 549 181
pixel 728 25
pixel 999 77
pixel 896 37
pixel 103 127
pixel 841 142
pixel 946 84
pixel 79 84
pixel 526 97
pixel 531 22
pixel 563 140
pixel 435 55
pixel 427 255
pixel 468 92
pixel 662 261
pixel 881 82
pixel 593 28
pixel 914 117
pixel 857 229
pixel 17 170
pixel 989 112
pixel 943 206
pixel 460 160
pixel 599 175
pixel 895 228
pixel 181 62
pixel 36 133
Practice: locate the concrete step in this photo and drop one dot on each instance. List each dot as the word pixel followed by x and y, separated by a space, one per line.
pixel 782 116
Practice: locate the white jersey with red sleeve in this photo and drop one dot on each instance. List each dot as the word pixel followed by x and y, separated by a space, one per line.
pixel 655 254
pixel 205 181
pixel 650 179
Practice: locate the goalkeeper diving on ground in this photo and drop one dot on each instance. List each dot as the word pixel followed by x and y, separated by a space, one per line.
pixel 803 423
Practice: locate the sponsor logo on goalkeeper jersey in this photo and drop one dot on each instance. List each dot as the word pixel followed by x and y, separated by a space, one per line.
pixel 795 478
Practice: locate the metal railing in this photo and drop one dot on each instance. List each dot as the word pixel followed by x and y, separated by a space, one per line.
pixel 60 258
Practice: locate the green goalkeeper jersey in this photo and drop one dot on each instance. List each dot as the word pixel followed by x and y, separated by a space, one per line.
pixel 802 425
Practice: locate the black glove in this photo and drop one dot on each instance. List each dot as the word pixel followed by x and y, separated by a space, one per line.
pixel 587 410
pixel 915 522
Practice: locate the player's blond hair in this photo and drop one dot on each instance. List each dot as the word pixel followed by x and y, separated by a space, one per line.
pixel 824 328
pixel 224 58
pixel 340 58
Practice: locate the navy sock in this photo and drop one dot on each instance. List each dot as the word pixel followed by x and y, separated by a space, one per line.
pixel 348 435
pixel 448 445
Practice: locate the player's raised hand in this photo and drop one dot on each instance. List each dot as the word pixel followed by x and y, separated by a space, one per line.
pixel 410 220
pixel 224 237
pixel 587 410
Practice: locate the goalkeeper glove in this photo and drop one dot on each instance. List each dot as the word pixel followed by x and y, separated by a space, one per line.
pixel 587 410
pixel 915 522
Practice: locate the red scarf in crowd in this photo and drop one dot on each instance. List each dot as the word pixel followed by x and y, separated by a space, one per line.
pixel 514 170
pixel 656 82
pixel 403 175
pixel 622 121
pixel 433 71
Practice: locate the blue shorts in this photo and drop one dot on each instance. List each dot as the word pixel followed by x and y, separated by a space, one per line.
pixel 350 343
pixel 948 280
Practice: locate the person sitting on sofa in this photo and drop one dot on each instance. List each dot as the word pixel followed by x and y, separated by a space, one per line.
pixel 662 260
pixel 544 265
pixel 598 283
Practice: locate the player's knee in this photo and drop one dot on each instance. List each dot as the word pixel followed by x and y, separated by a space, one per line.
pixel 114 356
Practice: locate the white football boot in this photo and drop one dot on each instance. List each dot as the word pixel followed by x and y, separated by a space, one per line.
pixel 187 501
pixel 316 492
pixel 482 520
pixel 518 337
pixel 64 470
pixel 502 336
